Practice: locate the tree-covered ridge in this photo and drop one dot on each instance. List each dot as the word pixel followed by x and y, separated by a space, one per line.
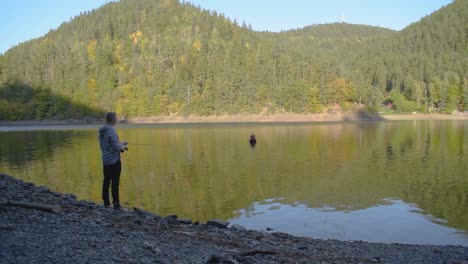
pixel 427 62
pixel 338 31
pixel 160 57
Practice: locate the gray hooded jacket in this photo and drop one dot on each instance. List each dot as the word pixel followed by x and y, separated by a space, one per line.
pixel 110 145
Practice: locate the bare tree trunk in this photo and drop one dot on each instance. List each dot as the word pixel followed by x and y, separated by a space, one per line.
pixel 189 93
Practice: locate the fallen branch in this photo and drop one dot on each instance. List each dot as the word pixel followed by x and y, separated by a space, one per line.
pixel 44 207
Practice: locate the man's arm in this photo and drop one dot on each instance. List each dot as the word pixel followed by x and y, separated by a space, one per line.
pixel 116 145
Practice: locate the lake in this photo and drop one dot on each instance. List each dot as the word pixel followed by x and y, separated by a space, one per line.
pixel 392 181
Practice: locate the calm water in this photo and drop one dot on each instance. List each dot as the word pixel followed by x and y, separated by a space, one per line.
pixel 403 181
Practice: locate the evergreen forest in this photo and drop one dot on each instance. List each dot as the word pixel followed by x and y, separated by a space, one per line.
pixel 166 57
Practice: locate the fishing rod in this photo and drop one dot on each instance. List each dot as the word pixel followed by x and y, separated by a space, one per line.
pixel 144 144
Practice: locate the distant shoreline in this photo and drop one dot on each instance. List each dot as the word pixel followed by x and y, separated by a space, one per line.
pixel 399 117
pixel 250 118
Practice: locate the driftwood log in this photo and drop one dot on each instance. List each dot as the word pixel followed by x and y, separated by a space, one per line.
pixel 43 207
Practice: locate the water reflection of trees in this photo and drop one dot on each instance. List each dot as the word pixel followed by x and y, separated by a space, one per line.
pixel 344 166
pixel 207 172
pixel 64 160
pixel 20 147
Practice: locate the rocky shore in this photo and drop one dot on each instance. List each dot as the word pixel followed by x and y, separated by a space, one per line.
pixel 41 226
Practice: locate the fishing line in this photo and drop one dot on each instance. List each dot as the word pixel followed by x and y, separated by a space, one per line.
pixel 143 144
pixel 166 147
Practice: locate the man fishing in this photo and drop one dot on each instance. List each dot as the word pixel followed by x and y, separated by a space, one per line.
pixel 111 148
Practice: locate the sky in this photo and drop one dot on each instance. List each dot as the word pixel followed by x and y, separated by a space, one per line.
pixel 23 20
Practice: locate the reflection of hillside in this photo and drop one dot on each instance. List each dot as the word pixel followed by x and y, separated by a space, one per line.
pixel 347 167
pixel 323 165
pixel 20 147
pixel 213 172
pixel 436 179
pixel 421 163
pixel 67 161
pixel 210 171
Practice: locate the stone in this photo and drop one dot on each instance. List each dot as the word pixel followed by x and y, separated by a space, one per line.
pixel 254 243
pixel 269 229
pixel 220 259
pixel 42 189
pixel 217 223
pixel 149 246
pixel 70 196
pixel 7 227
pixel 237 227
pixel 114 258
pixel 172 216
pixel 247 260
pixel 146 213
pixel 169 220
pixel 185 221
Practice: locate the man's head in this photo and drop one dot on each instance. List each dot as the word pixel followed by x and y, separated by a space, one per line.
pixel 111 118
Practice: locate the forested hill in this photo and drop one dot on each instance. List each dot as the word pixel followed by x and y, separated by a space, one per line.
pixel 338 31
pixel 160 57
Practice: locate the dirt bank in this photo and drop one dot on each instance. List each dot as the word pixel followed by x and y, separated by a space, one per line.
pixel 337 117
pixel 73 231
pixel 425 117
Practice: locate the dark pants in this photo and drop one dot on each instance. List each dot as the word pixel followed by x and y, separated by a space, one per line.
pixel 111 175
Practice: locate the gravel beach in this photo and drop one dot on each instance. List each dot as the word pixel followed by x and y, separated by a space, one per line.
pixel 66 230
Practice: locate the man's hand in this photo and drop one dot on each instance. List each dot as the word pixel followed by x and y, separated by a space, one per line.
pixel 123 149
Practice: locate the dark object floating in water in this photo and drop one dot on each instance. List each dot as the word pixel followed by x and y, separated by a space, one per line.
pixel 252 140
